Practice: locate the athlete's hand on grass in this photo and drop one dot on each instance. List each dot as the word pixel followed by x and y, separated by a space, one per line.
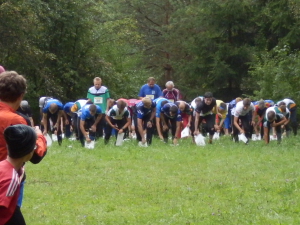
pixel 165 127
pixel 175 141
pixel 88 140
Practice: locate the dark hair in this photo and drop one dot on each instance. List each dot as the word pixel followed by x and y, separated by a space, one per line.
pixel 121 104
pixel 208 95
pixel 174 109
pixel 93 109
pixel 12 86
pixel 282 104
pixel 163 103
pixel 271 115
pixel 246 102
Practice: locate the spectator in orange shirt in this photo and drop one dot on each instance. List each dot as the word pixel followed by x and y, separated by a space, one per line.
pixel 12 90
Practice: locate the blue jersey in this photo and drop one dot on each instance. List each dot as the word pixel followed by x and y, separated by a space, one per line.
pixel 85 112
pixel 51 101
pixel 141 111
pixel 151 92
pixel 166 111
pixel 158 102
pixel 68 106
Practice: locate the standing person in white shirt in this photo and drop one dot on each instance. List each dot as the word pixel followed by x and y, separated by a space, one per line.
pixel 241 113
pixel 99 95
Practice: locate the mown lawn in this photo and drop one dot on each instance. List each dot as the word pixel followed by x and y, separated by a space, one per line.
pixel 222 183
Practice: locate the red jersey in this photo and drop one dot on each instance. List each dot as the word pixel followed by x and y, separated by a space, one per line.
pixel 10 181
pixel 173 95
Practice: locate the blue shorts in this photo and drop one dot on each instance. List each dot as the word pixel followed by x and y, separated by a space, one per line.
pixel 227 122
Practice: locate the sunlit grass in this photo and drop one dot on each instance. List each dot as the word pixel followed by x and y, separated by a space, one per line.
pixel 222 183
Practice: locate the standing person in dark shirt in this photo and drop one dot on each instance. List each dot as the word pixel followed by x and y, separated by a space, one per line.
pixel 25 110
pixel 204 112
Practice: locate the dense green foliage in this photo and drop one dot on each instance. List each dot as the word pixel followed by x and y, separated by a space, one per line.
pixel 231 48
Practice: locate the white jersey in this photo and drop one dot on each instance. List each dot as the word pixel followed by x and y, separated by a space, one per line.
pixel 115 113
pixel 193 105
pixel 240 111
pixel 286 101
pixel 276 110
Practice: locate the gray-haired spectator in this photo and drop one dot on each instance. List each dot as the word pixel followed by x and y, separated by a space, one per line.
pixel 171 93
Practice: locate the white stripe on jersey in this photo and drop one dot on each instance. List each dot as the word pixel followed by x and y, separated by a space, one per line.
pixel 13 184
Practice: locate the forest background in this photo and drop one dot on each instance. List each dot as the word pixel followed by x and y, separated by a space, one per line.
pixel 231 48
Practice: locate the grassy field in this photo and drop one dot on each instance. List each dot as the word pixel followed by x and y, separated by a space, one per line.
pixel 222 183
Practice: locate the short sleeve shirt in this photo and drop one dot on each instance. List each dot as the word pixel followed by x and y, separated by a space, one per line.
pixel 166 111
pixel 151 92
pixel 116 115
pixel 51 101
pixel 9 190
pixel 141 111
pixel 240 111
pixel 85 113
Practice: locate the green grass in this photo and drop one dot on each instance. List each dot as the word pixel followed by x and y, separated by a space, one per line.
pixel 222 183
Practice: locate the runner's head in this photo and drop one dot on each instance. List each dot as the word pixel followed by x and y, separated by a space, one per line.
pixel 147 102
pixel 208 97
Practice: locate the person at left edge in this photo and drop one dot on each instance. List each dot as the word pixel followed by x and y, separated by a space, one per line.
pixel 53 110
pixel 21 142
pixel 12 91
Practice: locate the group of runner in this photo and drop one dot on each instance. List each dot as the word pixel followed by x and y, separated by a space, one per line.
pixel 163 113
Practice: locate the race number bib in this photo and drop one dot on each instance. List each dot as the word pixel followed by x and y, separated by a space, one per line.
pixel 150 96
pixel 98 100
